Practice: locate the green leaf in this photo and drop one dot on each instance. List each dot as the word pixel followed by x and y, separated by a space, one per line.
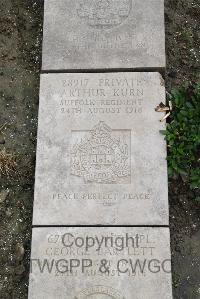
pixel 170 171
pixel 163 132
pixel 183 135
pixel 189 105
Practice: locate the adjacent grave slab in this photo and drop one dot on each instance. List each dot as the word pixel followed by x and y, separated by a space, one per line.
pixel 100 263
pixel 101 158
pixel 93 34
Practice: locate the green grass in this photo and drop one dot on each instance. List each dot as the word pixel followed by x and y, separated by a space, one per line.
pixel 183 135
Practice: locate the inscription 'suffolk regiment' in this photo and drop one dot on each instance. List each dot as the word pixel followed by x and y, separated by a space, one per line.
pixel 104 13
pixel 102 156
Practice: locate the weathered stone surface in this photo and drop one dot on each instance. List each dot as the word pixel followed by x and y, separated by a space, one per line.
pixel 101 158
pixel 93 34
pixel 100 263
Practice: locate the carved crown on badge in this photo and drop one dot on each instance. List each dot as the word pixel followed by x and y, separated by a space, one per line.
pixel 102 155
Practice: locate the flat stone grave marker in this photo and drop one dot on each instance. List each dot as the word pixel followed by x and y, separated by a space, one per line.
pixel 93 34
pixel 101 158
pixel 100 263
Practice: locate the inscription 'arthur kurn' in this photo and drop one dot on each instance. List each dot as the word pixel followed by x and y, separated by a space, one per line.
pixel 102 155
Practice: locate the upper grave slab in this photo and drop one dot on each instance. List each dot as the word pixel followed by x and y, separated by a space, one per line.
pixel 101 158
pixel 103 34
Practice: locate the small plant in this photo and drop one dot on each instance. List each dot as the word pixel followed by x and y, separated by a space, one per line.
pixel 7 163
pixel 183 135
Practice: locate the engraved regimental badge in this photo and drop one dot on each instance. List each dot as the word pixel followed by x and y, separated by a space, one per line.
pixel 99 292
pixel 104 13
pixel 101 155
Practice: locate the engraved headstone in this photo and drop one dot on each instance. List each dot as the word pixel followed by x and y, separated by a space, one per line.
pixel 101 158
pixel 100 263
pixel 102 34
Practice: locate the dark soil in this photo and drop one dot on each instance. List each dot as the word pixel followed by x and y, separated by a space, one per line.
pixel 183 66
pixel 20 57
